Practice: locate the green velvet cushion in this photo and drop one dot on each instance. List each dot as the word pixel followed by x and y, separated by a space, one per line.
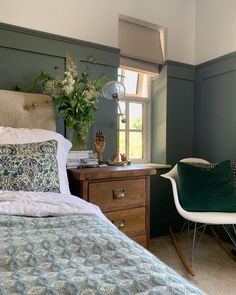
pixel 206 189
pixel 29 167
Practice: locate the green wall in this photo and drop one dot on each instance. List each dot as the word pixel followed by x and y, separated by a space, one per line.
pixel 163 212
pixel 25 53
pixel 193 108
pixel 172 138
pixel 215 109
pixel 193 114
pixel 172 113
pixel 193 111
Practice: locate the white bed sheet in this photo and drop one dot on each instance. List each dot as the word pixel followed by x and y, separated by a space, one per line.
pixel 41 204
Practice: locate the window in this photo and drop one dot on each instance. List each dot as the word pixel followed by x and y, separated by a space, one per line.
pixel 134 122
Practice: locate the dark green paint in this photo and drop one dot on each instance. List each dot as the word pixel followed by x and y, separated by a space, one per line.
pixel 172 113
pixel 208 91
pixel 172 138
pixel 24 53
pixel 162 208
pixel 215 108
pixel 179 119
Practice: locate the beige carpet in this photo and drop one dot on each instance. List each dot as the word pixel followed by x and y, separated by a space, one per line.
pixel 215 270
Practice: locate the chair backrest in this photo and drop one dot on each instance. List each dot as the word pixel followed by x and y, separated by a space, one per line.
pixel 172 175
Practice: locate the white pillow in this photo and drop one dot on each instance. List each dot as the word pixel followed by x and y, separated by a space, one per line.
pixel 9 135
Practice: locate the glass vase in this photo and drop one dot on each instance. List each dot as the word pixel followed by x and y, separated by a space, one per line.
pixel 79 137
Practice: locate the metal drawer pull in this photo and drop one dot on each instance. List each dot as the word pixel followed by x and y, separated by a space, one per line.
pixel 118 193
pixel 119 223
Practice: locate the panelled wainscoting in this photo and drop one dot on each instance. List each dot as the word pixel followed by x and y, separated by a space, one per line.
pixel 24 53
pixel 215 109
pixel 172 113
pixel 193 107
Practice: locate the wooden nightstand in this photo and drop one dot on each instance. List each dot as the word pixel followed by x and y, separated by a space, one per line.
pixel 122 193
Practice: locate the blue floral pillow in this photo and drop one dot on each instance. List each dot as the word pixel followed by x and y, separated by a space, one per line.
pixel 29 167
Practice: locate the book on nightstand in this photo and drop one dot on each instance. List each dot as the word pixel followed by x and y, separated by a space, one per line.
pixel 82 159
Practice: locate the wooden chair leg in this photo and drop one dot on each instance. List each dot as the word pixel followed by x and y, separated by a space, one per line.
pixel 183 259
pixel 223 246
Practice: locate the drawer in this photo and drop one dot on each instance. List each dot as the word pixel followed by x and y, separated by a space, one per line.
pixel 131 222
pixel 119 194
pixel 142 240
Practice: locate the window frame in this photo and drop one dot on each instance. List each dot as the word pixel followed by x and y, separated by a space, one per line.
pixel 146 118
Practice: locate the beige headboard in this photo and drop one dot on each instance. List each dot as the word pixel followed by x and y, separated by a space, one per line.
pixel 26 110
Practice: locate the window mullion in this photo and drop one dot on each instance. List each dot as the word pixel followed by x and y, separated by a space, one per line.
pixel 127 129
pixel 144 130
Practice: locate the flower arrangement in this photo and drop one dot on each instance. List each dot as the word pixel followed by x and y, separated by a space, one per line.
pixel 76 98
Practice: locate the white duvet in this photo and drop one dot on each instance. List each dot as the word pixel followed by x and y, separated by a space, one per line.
pixel 41 204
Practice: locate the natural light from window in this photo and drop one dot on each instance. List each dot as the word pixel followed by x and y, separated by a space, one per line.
pixel 133 133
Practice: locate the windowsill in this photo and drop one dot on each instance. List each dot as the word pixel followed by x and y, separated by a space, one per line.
pixel 154 165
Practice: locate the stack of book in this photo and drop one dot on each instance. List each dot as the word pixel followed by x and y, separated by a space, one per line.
pixel 82 159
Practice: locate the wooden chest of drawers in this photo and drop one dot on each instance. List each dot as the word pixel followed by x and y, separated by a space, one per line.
pixel 122 193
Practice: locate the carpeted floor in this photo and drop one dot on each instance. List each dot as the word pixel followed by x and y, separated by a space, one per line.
pixel 215 270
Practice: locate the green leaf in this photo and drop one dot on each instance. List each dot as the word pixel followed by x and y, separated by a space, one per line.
pixel 74 108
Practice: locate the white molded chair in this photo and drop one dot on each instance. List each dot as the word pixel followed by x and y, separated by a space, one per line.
pixel 203 218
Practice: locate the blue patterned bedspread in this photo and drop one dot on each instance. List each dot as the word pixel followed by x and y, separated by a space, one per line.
pixel 79 255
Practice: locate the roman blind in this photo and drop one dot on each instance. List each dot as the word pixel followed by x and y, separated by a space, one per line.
pixel 140 47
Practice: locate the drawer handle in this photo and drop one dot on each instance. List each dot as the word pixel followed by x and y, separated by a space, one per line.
pixel 119 223
pixel 118 193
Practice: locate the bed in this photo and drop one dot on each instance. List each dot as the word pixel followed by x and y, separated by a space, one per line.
pixel 53 242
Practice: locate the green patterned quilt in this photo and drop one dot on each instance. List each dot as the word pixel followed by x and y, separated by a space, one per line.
pixel 79 255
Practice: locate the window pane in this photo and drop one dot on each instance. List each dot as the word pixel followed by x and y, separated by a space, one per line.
pixel 130 81
pixel 135 116
pixel 121 119
pixel 122 142
pixel 135 145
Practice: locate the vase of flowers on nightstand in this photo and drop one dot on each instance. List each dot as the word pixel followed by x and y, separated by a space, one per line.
pixel 76 97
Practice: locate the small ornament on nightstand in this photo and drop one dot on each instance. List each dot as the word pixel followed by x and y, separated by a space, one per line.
pixel 115 158
pixel 114 161
pixel 124 159
pixel 99 144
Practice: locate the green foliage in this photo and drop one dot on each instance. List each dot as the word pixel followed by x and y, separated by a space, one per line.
pixel 76 97
pixel 137 123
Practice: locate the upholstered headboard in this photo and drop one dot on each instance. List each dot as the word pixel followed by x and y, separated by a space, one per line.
pixel 26 110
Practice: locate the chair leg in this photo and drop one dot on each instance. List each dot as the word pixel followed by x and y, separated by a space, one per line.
pixel 230 235
pixel 193 244
pixel 195 248
pixel 223 246
pixel 185 262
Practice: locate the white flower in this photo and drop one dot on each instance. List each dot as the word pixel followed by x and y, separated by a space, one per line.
pixel 90 95
pixel 71 89
pixel 67 89
pixel 70 67
pixel 49 84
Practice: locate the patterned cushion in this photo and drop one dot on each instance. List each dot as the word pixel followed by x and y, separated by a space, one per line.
pixel 207 189
pixel 29 167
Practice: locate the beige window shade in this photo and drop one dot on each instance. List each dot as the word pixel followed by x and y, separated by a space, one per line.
pixel 140 47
